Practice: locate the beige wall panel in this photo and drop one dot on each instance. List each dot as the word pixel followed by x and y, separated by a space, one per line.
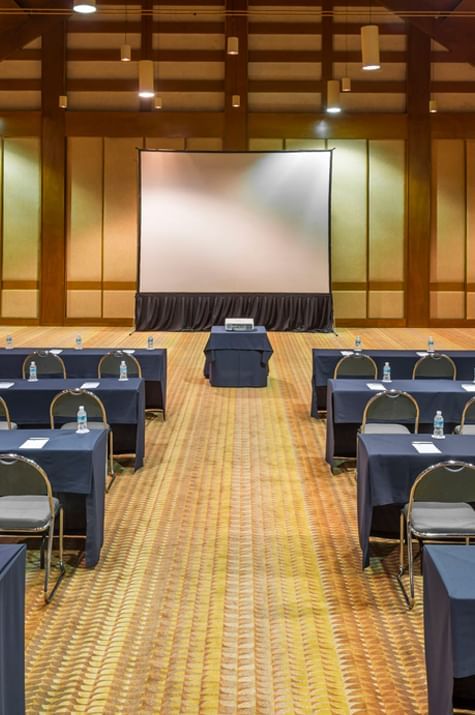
pixel 374 102
pixel 448 250
pixel 19 303
pixel 173 143
pixel 257 144
pixel 126 101
pixel 386 210
pixel 119 304
pixel 187 41
pixel 470 194
pixel 83 303
pixel 470 306
pixel 285 70
pixel 349 305
pixel 204 144
pixel 385 304
pixel 296 144
pixel 284 102
pixel 447 304
pixel 189 70
pixel 455 101
pixel 28 99
pixel 349 210
pixel 21 208
pixel 84 209
pixel 120 208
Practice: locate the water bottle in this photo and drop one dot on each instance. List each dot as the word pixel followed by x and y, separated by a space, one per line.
pixel 438 425
pixel 33 376
pixel 123 371
pixel 78 342
pixel 386 372
pixel 9 342
pixel 82 421
pixel 357 344
pixel 430 344
pixel 150 342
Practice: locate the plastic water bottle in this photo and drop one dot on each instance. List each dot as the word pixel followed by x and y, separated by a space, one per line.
pixel 123 370
pixel 150 342
pixel 430 344
pixel 357 344
pixel 33 375
pixel 82 421
pixel 387 372
pixel 9 342
pixel 438 425
pixel 78 342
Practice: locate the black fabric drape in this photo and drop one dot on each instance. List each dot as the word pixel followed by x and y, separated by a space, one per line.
pixel 199 311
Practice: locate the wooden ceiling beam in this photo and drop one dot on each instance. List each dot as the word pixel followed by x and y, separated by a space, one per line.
pixel 27 30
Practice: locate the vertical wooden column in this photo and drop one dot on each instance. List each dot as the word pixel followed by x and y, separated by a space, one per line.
pixel 418 179
pixel 327 50
pixel 146 47
pixel 53 178
pixel 235 136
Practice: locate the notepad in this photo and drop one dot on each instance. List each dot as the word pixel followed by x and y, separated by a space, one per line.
pixel 89 385
pixel 376 386
pixel 34 443
pixel 6 385
pixel 426 448
pixel 56 351
pixel 468 387
pixel 422 353
pixel 129 352
pixel 345 353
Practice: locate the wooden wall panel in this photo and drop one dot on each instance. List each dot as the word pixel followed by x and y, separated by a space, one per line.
pixel 19 304
pixel 447 305
pixel 204 144
pixel 83 303
pixel 349 305
pixel 257 144
pixel 386 304
pixel 118 304
pixel 470 197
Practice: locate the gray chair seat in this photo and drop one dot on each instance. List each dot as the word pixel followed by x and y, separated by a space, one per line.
pixel 4 425
pixel 467 429
pixel 90 425
pixel 385 428
pixel 443 517
pixel 25 512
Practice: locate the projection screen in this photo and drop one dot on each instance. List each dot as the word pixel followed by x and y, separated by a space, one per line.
pixel 248 223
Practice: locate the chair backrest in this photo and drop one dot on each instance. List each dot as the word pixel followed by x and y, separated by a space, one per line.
pixel 356 366
pixel 5 413
pixel 468 414
pixel 47 365
pixel 451 481
pixel 109 364
pixel 435 365
pixel 391 406
pixel 64 407
pixel 22 476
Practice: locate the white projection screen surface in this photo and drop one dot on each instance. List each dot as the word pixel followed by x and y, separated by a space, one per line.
pixel 235 222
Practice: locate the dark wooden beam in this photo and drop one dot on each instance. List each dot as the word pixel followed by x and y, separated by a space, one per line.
pixel 53 176
pixel 146 47
pixel 144 124
pixel 327 53
pixel 236 79
pixel 28 30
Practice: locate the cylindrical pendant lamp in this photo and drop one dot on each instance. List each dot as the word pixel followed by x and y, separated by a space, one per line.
pixel 433 106
pixel 333 96
pixel 236 100
pixel 346 84
pixel 370 47
pixel 84 6
pixel 63 101
pixel 125 53
pixel 146 88
pixel 232 45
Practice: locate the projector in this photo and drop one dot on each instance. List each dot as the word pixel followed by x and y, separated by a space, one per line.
pixel 239 324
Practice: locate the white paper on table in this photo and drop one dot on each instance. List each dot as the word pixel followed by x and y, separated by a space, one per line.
pixel 129 352
pixel 89 385
pixel 346 352
pixel 34 443
pixel 6 385
pixel 56 351
pixel 426 448
pixel 422 354
pixel 376 386
pixel 469 387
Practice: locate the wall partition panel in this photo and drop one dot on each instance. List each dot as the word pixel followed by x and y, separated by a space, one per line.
pixel 470 251
pixel 21 183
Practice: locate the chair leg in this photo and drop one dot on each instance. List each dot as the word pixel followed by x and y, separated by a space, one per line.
pixel 111 462
pixel 410 563
pixel 404 529
pixel 49 595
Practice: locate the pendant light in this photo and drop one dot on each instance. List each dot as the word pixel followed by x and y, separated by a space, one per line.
pixel 84 6
pixel 370 47
pixel 333 96
pixel 232 45
pixel 146 88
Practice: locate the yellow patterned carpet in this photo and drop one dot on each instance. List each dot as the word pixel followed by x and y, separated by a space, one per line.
pixel 230 578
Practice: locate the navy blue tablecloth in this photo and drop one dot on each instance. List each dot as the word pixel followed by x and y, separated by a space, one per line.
pixel 401 361
pixel 124 402
pixel 237 359
pixel 387 466
pixel 347 399
pixel 12 629
pixel 75 464
pixel 84 363
pixel 449 621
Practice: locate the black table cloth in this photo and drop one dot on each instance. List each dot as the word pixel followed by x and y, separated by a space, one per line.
pixel 402 363
pixel 84 363
pixel 124 402
pixel 347 399
pixel 387 467
pixel 449 624
pixel 75 465
pixel 237 359
pixel 12 629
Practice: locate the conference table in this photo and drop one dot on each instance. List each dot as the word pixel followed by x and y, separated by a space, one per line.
pixel 84 363
pixel 386 468
pixel 124 401
pixel 346 400
pixel 237 358
pixel 449 627
pixel 402 363
pixel 76 467
pixel 12 629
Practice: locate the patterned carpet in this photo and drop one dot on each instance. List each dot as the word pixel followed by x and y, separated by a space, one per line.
pixel 230 578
